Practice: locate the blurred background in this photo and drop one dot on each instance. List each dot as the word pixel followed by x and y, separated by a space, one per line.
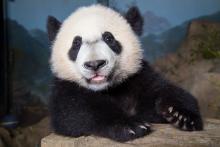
pixel 181 40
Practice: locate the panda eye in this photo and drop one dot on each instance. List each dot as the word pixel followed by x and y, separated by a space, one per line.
pixel 114 44
pixel 108 38
pixel 77 42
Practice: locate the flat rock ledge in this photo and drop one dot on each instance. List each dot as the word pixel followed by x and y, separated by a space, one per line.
pixel 163 135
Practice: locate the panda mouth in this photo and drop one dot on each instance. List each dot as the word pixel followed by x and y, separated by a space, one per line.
pixel 97 79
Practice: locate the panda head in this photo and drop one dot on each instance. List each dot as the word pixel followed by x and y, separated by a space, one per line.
pixel 96 47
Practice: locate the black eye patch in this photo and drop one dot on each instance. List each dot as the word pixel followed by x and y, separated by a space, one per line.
pixel 109 39
pixel 77 42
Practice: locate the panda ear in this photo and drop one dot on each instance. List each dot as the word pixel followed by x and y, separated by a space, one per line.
pixel 53 25
pixel 135 19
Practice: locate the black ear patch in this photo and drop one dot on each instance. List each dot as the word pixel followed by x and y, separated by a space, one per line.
pixel 53 25
pixel 135 19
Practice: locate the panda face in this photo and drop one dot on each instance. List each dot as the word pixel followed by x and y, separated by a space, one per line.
pixel 96 48
pixel 96 59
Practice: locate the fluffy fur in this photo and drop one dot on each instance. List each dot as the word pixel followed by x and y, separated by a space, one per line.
pixel 91 27
pixel 123 109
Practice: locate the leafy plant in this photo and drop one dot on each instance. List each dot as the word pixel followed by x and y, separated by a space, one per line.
pixel 208 45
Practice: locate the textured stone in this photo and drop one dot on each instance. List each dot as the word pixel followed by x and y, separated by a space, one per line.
pixel 189 70
pixel 163 135
pixel 25 137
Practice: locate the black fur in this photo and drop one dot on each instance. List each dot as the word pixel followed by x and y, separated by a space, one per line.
pixel 110 40
pixel 73 52
pixel 134 18
pixel 77 111
pixel 53 25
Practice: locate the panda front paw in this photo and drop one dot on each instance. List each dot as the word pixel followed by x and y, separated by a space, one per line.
pixel 139 129
pixel 182 119
pixel 132 131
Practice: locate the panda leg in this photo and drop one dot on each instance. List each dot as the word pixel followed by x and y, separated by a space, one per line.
pixel 179 108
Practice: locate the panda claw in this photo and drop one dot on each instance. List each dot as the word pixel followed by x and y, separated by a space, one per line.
pixel 176 123
pixel 170 109
pixel 147 124
pixel 143 127
pixel 176 114
pixel 131 131
pixel 180 117
pixel 169 119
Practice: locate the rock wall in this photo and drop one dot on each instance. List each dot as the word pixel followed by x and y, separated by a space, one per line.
pixel 163 135
pixel 192 72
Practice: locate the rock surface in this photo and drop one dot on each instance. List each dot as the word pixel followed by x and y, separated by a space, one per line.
pixel 25 137
pixel 163 135
pixel 199 76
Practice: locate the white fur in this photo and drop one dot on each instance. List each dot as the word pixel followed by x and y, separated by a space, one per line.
pixel 97 51
pixel 90 22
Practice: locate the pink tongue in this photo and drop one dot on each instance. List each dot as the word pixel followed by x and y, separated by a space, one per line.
pixel 98 78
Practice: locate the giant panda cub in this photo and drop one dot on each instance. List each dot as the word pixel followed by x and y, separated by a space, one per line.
pixel 102 86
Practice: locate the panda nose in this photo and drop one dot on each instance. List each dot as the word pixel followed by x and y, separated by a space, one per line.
pixel 95 65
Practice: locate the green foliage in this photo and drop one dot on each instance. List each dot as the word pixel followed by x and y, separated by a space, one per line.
pixel 208 45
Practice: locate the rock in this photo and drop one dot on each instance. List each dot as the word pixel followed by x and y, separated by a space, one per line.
pixel 25 137
pixel 207 88
pixel 198 75
pixel 31 136
pixel 5 138
pixel 163 135
pixel 1 143
pixel 201 40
